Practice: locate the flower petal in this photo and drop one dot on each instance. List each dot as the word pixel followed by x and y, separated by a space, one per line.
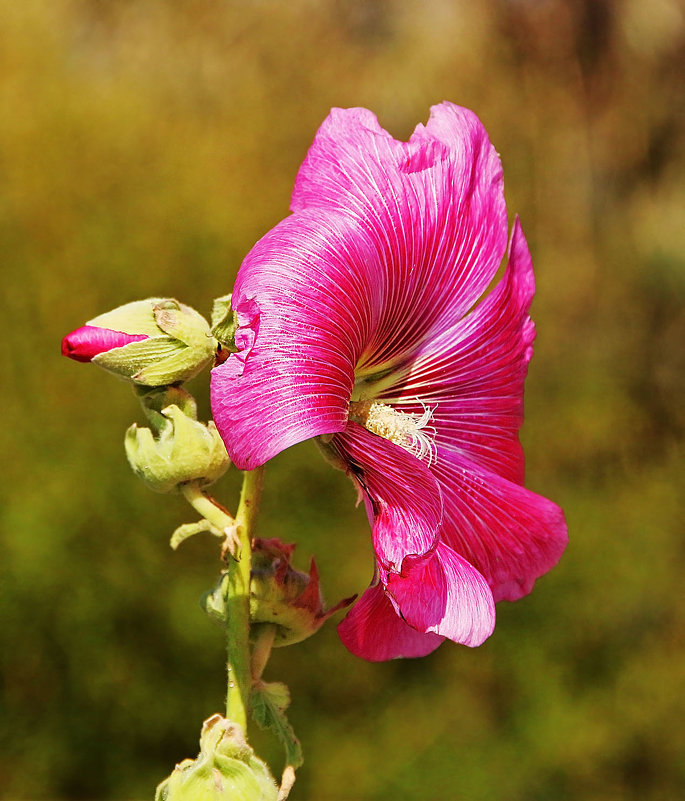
pixel 432 588
pixel 403 498
pixel 508 533
pixel 434 206
pixel 89 341
pixel 373 630
pixel 444 595
pixel 472 376
pixel 303 312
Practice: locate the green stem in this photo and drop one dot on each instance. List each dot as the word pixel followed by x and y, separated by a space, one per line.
pixel 237 600
pixel 237 593
pixel 215 514
pixel 207 507
pixel 262 650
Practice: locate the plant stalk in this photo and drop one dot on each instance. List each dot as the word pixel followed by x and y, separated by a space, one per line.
pixel 237 602
pixel 237 588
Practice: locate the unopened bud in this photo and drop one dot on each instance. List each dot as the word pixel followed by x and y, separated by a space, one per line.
pixel 284 597
pixel 225 770
pixel 151 342
pixel 184 450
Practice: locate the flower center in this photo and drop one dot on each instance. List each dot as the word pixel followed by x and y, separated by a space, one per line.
pixel 409 431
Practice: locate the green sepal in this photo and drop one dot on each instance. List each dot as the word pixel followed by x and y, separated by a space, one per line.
pixel 151 362
pixel 329 453
pixel 178 346
pixel 268 703
pixel 224 323
pixel 183 323
pixel 155 399
pixel 131 318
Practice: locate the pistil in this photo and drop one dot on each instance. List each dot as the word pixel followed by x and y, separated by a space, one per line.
pixel 409 431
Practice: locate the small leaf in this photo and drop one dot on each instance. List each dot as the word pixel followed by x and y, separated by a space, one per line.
pixel 213 602
pixel 268 703
pixel 190 529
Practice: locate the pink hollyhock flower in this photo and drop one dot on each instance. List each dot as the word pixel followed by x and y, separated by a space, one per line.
pixel 359 322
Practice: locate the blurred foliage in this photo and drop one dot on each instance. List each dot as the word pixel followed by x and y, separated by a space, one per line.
pixel 144 146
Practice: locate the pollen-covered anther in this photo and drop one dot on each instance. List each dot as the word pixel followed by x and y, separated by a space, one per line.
pixel 409 431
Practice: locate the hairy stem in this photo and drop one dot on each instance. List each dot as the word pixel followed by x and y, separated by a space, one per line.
pixel 207 507
pixel 237 602
pixel 238 532
pixel 215 514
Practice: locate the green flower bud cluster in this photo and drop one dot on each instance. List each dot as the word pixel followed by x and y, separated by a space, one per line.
pixel 225 770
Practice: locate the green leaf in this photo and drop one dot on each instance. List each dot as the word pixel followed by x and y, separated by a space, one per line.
pixel 268 703
pixel 213 601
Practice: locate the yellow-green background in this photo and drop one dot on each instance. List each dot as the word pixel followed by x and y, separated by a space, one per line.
pixel 144 146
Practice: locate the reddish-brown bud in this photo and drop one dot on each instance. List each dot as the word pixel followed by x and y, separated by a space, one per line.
pixel 282 596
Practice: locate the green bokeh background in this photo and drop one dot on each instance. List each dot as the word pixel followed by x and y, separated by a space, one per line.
pixel 144 146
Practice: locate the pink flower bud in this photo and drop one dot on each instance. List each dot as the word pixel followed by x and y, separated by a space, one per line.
pixel 89 341
pixel 154 342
